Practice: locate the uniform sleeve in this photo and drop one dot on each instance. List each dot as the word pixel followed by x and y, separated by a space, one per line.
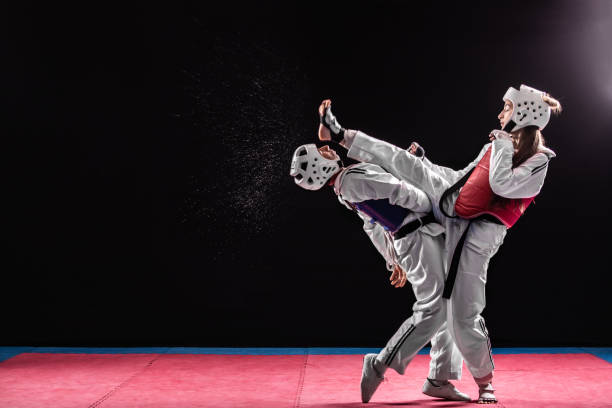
pixel 523 181
pixel 359 185
pixel 376 234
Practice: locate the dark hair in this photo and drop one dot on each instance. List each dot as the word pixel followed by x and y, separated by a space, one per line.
pixel 527 141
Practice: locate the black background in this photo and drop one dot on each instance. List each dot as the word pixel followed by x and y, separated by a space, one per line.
pixel 147 193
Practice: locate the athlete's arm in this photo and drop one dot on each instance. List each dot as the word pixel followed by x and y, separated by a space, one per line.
pixel 523 181
pixel 376 233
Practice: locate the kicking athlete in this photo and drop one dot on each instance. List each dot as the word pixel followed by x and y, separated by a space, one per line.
pixel 496 188
pixel 397 218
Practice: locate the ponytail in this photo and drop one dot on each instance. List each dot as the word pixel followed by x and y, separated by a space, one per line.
pixel 555 105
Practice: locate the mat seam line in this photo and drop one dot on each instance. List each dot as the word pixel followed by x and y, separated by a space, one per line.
pixel 121 385
pixel 300 387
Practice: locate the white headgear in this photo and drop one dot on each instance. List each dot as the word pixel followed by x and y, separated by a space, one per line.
pixel 311 170
pixel 529 109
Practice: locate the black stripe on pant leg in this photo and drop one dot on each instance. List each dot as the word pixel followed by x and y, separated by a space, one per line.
pixel 486 333
pixel 489 344
pixel 399 345
pixel 388 359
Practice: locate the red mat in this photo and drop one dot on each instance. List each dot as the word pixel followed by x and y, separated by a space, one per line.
pixel 180 381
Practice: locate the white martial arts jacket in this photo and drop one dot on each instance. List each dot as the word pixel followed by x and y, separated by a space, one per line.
pixel 523 181
pixel 375 183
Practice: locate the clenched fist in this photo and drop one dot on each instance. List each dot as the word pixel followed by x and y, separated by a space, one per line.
pixel 398 277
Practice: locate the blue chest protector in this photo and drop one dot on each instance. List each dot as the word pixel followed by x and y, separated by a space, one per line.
pixel 386 214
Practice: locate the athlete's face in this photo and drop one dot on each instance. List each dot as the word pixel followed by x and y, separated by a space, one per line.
pixel 328 153
pixel 506 113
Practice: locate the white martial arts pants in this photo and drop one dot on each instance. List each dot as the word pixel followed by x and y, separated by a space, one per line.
pixel 420 256
pixel 483 239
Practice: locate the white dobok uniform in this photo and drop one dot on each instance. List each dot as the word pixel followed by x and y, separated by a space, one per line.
pixel 420 255
pixel 483 238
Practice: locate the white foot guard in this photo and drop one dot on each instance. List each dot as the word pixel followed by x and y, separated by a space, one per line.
pixel 370 378
pixel 331 123
pixel 446 391
pixel 486 395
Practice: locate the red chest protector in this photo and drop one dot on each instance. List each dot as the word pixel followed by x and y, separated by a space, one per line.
pixel 476 197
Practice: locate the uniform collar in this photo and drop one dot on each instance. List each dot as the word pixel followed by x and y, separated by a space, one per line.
pixel 548 152
pixel 338 180
pixel 340 176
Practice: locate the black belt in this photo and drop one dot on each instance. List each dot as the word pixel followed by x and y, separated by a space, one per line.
pixel 413 226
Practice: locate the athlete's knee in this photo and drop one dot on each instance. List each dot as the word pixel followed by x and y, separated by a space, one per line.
pixel 433 315
pixel 432 304
pixel 466 318
pixel 467 326
pixel 466 311
pixel 431 297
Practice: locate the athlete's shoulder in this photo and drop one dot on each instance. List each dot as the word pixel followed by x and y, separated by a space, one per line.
pixel 549 153
pixel 363 168
pixel 356 176
pixel 537 163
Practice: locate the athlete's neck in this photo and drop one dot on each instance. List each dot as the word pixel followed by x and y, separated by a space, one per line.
pixel 332 180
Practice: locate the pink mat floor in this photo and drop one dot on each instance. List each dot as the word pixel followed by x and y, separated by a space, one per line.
pixel 31 380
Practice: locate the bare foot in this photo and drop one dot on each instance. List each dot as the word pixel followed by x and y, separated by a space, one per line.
pixel 324 133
